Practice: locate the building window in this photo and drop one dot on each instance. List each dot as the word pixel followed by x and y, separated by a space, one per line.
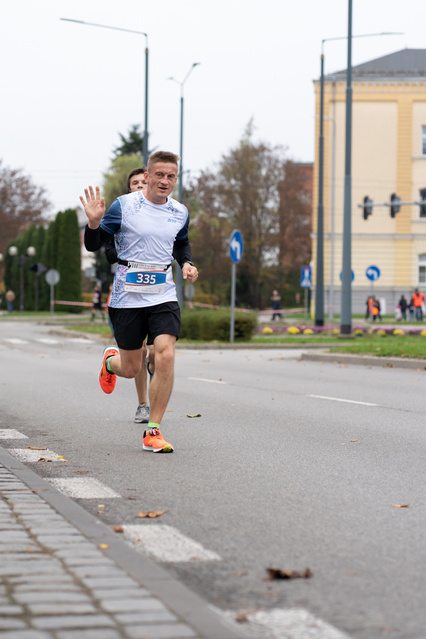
pixel 424 140
pixel 422 269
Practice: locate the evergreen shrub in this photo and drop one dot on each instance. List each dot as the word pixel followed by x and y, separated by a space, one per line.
pixel 211 325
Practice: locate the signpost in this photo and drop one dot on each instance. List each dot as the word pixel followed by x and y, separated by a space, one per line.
pixel 306 282
pixel 236 246
pixel 372 273
pixel 52 277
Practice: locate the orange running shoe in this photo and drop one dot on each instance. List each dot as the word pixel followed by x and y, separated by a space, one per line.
pixel 153 440
pixel 107 380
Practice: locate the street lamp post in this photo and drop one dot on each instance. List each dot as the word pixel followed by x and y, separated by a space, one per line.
pixel 319 286
pixel 13 251
pixel 105 26
pixel 178 272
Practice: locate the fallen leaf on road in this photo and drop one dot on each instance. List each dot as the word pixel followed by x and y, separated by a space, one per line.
pixel 400 505
pixel 197 415
pixel 35 448
pixel 354 440
pixel 43 459
pixel 242 617
pixel 118 529
pixel 151 514
pixel 103 546
pixel 277 573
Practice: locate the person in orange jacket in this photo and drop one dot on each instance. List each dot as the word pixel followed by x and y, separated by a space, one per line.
pixel 418 301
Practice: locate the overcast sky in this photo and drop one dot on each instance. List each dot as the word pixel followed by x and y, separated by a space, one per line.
pixel 69 89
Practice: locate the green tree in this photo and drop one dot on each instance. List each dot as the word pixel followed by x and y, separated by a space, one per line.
pixel 132 144
pixel 69 261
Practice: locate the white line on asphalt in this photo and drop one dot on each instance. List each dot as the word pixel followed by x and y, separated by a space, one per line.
pixel 27 455
pixel 79 340
pixel 47 340
pixel 203 379
pixel 83 488
pixel 166 543
pixel 291 623
pixel 11 433
pixel 15 340
pixel 338 399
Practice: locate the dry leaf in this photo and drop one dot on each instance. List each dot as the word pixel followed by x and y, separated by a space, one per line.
pixel 400 505
pixel 101 506
pixel 277 573
pixel 43 459
pixel 197 415
pixel 242 617
pixel 118 529
pixel 103 546
pixel 35 448
pixel 354 440
pixel 151 514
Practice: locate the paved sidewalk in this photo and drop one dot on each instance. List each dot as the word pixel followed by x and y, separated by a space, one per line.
pixel 66 575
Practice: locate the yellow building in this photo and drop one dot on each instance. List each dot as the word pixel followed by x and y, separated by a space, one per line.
pixel 388 156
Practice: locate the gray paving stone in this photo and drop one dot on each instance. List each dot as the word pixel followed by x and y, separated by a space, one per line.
pixel 103 582
pixel 61 608
pixel 166 631
pixel 26 634
pixel 103 633
pixel 108 572
pixel 132 618
pixel 12 547
pixel 67 586
pixel 51 597
pixel 120 593
pixel 88 561
pixel 16 568
pixel 132 605
pixel 57 578
pixel 12 624
pixel 82 549
pixel 10 610
pixel 63 622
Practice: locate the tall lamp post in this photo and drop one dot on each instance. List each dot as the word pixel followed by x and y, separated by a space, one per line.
pixel 319 286
pixel 13 251
pixel 105 26
pixel 178 273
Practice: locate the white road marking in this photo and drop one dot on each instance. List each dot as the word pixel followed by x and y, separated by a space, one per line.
pixel 291 623
pixel 338 399
pixel 47 340
pixel 27 455
pixel 165 543
pixel 83 488
pixel 15 340
pixel 79 340
pixel 203 379
pixel 11 433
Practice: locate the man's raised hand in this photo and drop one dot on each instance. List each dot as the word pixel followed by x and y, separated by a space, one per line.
pixel 94 206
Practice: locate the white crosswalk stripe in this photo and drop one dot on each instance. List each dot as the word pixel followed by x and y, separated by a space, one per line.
pixel 83 488
pixel 15 340
pixel 11 433
pixel 166 543
pixel 33 456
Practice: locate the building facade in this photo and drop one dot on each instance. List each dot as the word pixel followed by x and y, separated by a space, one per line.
pixel 388 157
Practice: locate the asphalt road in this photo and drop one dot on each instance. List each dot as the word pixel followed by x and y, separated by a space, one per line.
pixel 291 464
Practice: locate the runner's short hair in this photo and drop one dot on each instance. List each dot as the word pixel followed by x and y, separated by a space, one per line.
pixel 137 171
pixel 163 156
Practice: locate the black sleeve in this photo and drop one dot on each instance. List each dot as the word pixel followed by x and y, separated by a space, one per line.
pixel 95 238
pixel 182 252
pixel 110 250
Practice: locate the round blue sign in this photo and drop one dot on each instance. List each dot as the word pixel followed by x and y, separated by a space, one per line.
pixel 352 276
pixel 236 246
pixel 372 273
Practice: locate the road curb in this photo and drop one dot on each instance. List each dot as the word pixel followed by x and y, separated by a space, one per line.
pixel 191 608
pixel 365 360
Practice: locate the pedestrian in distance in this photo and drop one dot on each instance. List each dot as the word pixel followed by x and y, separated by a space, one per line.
pixel 136 182
pixel 418 303
pixel 10 299
pixel 276 305
pixel 97 303
pixel 369 307
pixel 403 305
pixel 150 229
pixel 375 310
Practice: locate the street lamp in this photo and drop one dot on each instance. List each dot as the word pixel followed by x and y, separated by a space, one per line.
pixel 105 26
pixel 178 273
pixel 13 251
pixel 319 286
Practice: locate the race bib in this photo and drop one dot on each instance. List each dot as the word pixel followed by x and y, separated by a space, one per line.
pixel 145 278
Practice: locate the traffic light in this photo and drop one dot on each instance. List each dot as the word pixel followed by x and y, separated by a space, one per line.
pixel 367 208
pixel 423 206
pixel 395 204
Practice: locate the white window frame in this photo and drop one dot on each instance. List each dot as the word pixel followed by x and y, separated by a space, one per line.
pixel 421 269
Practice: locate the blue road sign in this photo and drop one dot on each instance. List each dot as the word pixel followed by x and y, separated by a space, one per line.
pixel 352 276
pixel 306 277
pixel 236 246
pixel 372 273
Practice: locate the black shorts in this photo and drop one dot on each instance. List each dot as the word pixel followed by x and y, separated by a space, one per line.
pixel 132 325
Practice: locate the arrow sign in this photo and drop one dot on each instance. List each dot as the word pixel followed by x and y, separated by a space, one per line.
pixel 372 273
pixel 236 246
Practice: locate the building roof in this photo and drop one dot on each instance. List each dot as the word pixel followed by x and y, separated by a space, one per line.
pixel 408 63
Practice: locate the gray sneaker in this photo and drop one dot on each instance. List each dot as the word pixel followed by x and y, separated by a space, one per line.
pixel 142 414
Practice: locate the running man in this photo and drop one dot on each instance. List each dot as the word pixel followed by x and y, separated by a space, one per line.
pixel 136 182
pixel 150 229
